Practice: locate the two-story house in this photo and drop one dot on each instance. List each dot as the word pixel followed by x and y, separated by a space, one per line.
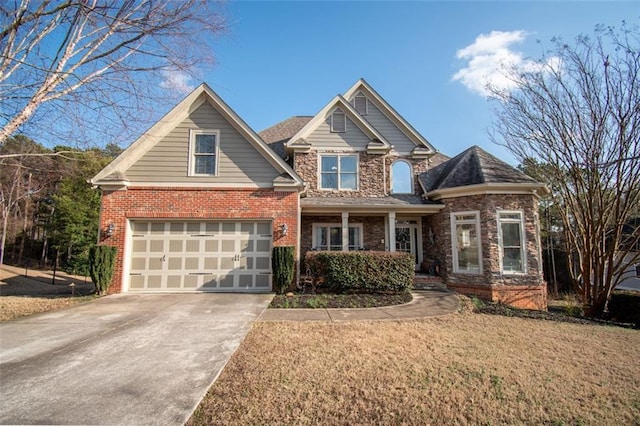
pixel 198 201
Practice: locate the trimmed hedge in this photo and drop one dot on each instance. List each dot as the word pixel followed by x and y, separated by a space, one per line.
pixel 283 263
pixel 357 271
pixel 101 262
pixel 625 307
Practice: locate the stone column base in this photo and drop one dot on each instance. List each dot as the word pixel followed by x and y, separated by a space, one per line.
pixel 518 296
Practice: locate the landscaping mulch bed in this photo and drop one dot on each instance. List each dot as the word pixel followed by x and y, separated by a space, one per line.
pixel 330 300
pixel 504 310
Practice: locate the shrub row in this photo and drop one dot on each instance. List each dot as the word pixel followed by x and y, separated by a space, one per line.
pixel 625 307
pixel 356 271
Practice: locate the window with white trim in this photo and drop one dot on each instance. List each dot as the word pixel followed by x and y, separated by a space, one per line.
pixel 401 177
pixel 339 171
pixel 338 121
pixel 328 236
pixel 361 104
pixel 203 152
pixel 511 242
pixel 465 242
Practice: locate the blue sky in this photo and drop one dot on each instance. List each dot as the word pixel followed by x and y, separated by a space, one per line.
pixel 281 59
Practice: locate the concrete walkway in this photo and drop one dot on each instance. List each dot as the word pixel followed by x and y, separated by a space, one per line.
pixel 425 303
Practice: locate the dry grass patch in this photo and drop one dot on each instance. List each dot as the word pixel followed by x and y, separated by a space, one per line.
pixel 463 369
pixel 12 307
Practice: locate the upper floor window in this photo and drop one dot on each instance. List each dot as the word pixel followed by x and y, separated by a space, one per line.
pixel 361 104
pixel 401 178
pixel 465 242
pixel 338 121
pixel 203 152
pixel 339 171
pixel 511 241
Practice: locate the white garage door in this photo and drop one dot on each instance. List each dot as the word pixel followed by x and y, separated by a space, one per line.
pixel 200 256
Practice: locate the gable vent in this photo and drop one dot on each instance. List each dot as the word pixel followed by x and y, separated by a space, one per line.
pixel 361 104
pixel 338 121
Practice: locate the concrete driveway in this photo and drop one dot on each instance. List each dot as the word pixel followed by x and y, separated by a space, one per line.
pixel 122 359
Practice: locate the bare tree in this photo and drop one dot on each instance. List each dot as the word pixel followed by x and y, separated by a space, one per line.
pixel 95 70
pixel 578 113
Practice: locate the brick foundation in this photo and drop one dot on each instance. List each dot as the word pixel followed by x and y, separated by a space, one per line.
pixel 519 296
pixel 195 204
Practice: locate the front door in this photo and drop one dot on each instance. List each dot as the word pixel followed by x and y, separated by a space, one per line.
pixel 407 237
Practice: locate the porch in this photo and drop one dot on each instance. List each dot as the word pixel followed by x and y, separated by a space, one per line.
pixel 393 223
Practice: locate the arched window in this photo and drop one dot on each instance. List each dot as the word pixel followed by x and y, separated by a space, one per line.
pixel 401 178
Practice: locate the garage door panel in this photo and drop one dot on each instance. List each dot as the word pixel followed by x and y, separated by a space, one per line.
pixel 174 263
pixel 228 246
pixel 226 281
pixel 176 246
pixel 156 246
pixel 155 264
pixel 139 246
pixel 262 262
pixel 200 256
pixel 156 228
pixel 211 246
pixel 211 263
pixel 138 263
pixel 174 281
pixel 191 281
pixel 137 282
pixel 154 281
pixel 263 245
pixel 263 281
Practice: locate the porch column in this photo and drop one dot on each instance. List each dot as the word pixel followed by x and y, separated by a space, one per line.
pixel 345 231
pixel 392 231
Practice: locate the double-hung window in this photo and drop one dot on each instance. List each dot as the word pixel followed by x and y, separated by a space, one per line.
pixel 203 152
pixel 339 172
pixel 465 242
pixel 511 242
pixel 328 236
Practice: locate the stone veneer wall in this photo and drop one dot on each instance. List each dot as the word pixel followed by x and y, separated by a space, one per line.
pixel 371 179
pixel 521 290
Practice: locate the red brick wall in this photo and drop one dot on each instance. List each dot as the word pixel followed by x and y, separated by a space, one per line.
pixel 195 203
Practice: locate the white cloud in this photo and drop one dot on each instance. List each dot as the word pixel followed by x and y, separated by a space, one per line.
pixel 492 62
pixel 178 81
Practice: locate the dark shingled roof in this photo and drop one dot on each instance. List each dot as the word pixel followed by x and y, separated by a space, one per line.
pixel 471 167
pixel 278 134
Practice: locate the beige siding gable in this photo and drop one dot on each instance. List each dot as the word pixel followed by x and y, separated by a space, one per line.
pixel 239 162
pixel 388 129
pixel 323 138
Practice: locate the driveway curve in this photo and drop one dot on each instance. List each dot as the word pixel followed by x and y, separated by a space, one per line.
pixel 122 359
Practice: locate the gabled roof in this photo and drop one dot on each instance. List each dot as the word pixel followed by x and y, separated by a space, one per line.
pixel 475 170
pixel 362 86
pixel 279 134
pixel 115 171
pixel 379 142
